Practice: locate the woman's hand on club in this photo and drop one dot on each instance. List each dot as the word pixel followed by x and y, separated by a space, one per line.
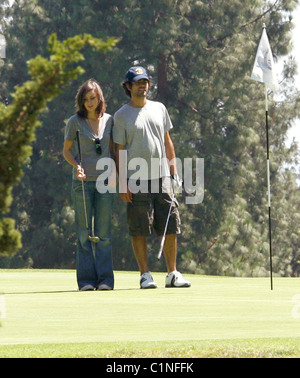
pixel 80 173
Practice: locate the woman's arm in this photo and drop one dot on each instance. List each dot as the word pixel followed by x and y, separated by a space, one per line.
pixel 71 160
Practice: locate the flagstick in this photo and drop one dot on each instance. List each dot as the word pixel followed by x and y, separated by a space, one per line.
pixel 263 71
pixel 269 192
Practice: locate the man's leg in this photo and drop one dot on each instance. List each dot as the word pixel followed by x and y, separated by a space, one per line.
pixel 161 211
pixel 173 278
pixel 139 245
pixel 170 251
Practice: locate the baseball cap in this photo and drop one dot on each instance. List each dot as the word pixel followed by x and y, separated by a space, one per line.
pixel 136 73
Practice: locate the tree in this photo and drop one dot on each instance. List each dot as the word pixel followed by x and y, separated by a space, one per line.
pixel 200 55
pixel 19 120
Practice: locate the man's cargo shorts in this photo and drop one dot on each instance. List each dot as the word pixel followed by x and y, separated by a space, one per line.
pixel 150 207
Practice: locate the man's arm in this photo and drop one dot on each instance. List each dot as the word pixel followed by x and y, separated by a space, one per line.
pixel 127 196
pixel 170 153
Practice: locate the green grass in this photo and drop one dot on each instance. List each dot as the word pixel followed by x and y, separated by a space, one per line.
pixel 217 317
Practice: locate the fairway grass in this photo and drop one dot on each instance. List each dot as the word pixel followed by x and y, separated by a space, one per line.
pixel 45 316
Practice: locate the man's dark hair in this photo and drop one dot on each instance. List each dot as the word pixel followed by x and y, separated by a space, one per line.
pixel 128 93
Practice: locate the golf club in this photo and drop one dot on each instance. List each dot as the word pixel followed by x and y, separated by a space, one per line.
pixel 93 239
pixel 165 231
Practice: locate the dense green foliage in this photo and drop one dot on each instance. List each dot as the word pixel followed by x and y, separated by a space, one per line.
pixel 200 55
pixel 20 119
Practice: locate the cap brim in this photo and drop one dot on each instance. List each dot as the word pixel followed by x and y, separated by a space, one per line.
pixel 139 77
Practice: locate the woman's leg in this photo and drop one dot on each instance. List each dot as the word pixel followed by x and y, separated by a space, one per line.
pixel 85 262
pixel 102 228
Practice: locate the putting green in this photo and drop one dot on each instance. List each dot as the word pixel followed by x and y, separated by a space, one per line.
pixel 44 306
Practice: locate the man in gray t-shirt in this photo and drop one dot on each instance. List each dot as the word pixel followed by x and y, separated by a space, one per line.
pixel 142 130
pixel 141 135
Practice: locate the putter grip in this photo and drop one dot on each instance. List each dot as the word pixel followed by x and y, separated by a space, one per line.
pixel 78 142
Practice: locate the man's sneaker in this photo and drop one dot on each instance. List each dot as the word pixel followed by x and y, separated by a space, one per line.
pixel 147 282
pixel 175 279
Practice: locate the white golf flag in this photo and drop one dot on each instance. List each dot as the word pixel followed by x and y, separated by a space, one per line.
pixel 264 69
pixel 2 46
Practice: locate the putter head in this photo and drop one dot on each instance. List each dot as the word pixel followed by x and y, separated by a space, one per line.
pixel 160 252
pixel 94 239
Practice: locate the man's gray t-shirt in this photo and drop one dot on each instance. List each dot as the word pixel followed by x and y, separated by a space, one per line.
pixel 142 131
pixel 87 137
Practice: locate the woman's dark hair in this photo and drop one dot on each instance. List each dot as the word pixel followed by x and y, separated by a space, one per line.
pixel 86 87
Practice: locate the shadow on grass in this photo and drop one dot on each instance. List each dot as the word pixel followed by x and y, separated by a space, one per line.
pixel 63 291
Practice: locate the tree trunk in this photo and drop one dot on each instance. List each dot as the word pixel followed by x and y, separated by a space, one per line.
pixel 162 77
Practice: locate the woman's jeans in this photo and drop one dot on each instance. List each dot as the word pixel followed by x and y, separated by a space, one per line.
pixel 94 260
